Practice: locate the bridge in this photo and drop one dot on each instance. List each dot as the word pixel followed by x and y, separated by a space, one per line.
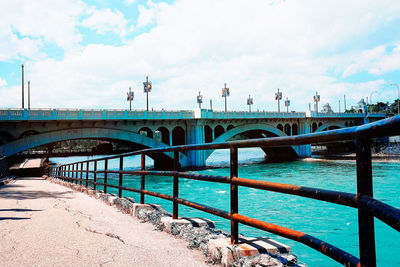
pixel 23 129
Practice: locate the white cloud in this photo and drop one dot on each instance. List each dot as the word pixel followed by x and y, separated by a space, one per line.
pixel 106 20
pixel 148 16
pixel 3 83
pixel 375 61
pixel 129 2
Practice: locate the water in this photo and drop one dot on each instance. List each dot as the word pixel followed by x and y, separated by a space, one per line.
pixel 332 223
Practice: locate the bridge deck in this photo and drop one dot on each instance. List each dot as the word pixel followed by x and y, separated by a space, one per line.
pixel 46 224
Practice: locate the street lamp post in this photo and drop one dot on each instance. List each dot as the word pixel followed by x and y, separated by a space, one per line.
pixel 199 100
pixel 29 95
pixel 23 106
pixel 317 98
pixel 147 88
pixel 225 93
pixel 250 102
pixel 398 97
pixel 129 97
pixel 278 96
pixel 287 104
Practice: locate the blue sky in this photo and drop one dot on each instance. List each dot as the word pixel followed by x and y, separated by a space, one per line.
pixel 86 54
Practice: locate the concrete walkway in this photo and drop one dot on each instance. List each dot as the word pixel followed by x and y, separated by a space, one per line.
pixel 45 224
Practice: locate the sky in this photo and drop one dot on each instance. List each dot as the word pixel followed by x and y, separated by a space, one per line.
pixel 86 54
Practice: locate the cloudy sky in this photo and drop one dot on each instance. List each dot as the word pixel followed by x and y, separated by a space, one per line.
pixel 86 54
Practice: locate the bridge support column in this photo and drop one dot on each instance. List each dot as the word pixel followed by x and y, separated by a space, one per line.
pixel 304 128
pixel 195 135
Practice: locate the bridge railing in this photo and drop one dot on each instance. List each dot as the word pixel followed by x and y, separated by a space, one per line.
pixel 368 207
pixel 92 114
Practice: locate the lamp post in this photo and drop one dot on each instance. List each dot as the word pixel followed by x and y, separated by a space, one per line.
pixel 29 95
pixel 22 86
pixel 278 96
pixel 129 97
pixel 225 93
pixel 398 97
pixel 147 88
pixel 317 98
pixel 339 105
pixel 287 104
pixel 250 102
pixel 199 100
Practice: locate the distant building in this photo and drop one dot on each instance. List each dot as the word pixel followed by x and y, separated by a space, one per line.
pixel 327 108
pixel 362 106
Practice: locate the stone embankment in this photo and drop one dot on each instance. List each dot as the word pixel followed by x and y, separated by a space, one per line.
pixel 199 233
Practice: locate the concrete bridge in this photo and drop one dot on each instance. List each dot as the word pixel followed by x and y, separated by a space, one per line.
pixel 22 129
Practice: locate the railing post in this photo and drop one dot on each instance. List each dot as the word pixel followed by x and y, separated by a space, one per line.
pixel 81 176
pixel 73 173
pixel 142 177
pixel 69 172
pixel 105 175
pixel 94 175
pixel 121 168
pixel 87 173
pixel 234 195
pixel 366 229
pixel 175 213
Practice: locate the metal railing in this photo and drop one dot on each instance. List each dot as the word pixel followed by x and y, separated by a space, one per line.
pixel 368 207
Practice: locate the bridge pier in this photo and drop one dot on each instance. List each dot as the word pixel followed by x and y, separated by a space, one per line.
pixel 195 135
pixel 304 128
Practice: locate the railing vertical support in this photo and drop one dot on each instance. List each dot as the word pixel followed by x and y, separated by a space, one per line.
pixel 94 174
pixel 175 212
pixel 234 195
pixel 366 230
pixel 81 176
pixel 142 178
pixel 105 175
pixel 121 168
pixel 73 173
pixel 69 172
pixel 87 172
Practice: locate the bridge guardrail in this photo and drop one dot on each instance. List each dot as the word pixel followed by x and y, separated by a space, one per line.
pixel 96 114
pixel 368 207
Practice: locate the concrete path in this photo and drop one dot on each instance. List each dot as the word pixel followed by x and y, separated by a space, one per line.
pixel 45 224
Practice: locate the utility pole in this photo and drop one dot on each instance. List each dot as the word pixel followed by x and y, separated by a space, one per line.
pixel 344 101
pixel 250 102
pixel 29 95
pixel 398 97
pixel 317 98
pixel 287 104
pixel 147 89
pixel 278 96
pixel 225 93
pixel 199 100
pixel 211 104
pixel 339 105
pixel 23 106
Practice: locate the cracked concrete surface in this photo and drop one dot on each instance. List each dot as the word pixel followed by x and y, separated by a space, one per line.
pixel 45 224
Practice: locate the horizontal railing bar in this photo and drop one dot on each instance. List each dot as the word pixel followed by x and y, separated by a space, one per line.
pixel 315 243
pixel 337 197
pixel 382 211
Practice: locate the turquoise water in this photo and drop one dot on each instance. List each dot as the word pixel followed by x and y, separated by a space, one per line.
pixel 329 222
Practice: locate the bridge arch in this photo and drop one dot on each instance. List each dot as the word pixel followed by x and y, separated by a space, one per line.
pixel 164 135
pixel 33 141
pixel 218 131
pixel 146 132
pixel 178 136
pixel 207 134
pixel 246 128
